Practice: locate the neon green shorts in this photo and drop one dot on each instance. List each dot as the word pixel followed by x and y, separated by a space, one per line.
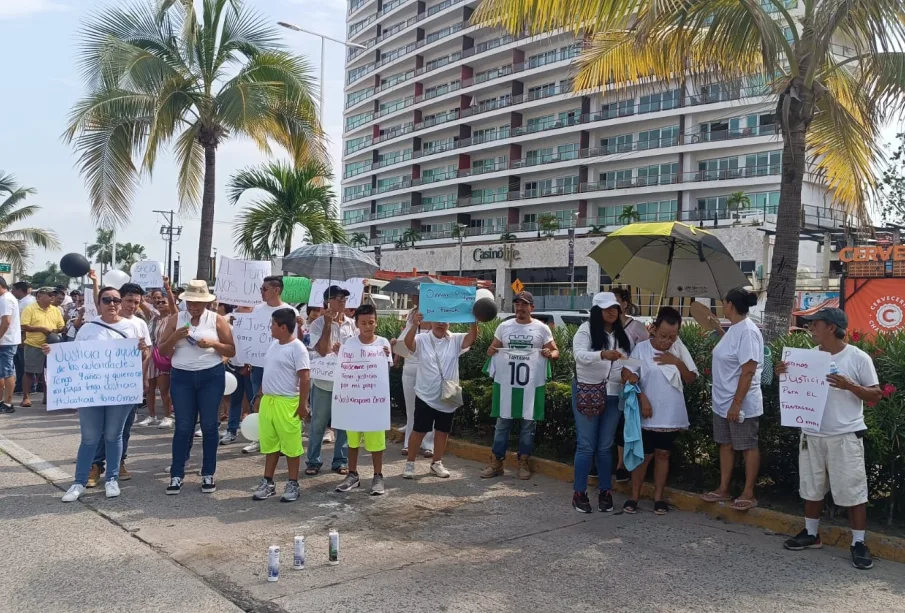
pixel 279 426
pixel 374 441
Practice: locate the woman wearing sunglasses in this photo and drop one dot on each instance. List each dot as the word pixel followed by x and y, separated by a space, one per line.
pixel 105 421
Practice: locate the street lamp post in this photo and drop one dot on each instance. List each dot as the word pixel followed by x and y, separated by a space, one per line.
pixel 461 228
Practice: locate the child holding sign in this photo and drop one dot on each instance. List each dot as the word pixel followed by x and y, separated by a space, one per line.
pixel 284 405
pixel 375 441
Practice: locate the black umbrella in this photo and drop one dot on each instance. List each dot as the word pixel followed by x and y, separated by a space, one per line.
pixel 409 286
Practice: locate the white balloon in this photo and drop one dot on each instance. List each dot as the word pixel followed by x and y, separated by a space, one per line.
pixel 231 384
pixel 249 427
pixel 484 293
pixel 116 278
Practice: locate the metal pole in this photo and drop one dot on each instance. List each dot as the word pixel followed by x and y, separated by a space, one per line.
pixel 323 85
pixel 460 253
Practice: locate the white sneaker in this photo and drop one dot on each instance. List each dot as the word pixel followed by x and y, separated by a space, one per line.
pixel 409 472
pixel 112 488
pixel 73 493
pixel 228 438
pixel 166 422
pixel 329 437
pixel 253 448
pixel 438 469
pixel 198 433
pixel 147 421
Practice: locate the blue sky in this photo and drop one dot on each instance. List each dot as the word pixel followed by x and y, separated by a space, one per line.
pixel 42 82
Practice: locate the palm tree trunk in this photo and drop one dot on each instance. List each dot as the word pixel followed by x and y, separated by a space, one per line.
pixel 206 238
pixel 287 247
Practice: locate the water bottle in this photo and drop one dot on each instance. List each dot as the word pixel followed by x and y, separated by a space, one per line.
pixel 834 370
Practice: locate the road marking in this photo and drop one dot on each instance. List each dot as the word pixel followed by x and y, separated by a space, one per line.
pixel 34 463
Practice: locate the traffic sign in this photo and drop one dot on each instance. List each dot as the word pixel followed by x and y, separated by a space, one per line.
pixel 6 268
pixel 517 286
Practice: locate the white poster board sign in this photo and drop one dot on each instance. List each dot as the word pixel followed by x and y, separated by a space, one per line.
pixel 251 334
pixel 324 369
pixel 90 306
pixel 147 274
pixel 94 373
pixel 239 281
pixel 361 390
pixel 803 389
pixel 355 287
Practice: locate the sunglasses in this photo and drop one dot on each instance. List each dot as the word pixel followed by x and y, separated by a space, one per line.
pixel 111 300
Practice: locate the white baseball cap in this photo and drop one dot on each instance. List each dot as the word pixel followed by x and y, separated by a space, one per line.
pixel 605 300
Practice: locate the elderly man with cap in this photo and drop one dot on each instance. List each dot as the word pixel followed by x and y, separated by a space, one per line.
pixel 832 459
pixel 511 404
pixel 328 333
pixel 38 321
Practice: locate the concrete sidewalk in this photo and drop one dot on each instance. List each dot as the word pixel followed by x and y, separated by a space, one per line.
pixel 462 544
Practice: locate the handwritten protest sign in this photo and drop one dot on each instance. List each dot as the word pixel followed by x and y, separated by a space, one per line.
pixel 251 334
pixel 94 373
pixel 147 274
pixel 361 390
pixel 296 289
pixel 804 388
pixel 355 287
pixel 239 281
pixel 90 306
pixel 449 303
pixel 324 369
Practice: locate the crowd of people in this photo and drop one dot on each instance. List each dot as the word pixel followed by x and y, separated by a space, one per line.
pixel 627 392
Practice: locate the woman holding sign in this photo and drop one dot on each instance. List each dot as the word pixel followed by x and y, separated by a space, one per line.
pixel 198 340
pixel 107 422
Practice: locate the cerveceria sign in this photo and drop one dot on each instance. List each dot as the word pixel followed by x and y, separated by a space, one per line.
pixel 507 253
pixel 894 253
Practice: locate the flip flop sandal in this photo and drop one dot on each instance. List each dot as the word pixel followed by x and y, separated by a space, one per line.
pixel 25 406
pixel 405 451
pixel 740 504
pixel 342 470
pixel 714 497
pixel 312 470
pixel 630 506
pixel 661 508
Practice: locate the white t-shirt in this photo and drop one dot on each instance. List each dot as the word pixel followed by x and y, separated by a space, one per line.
pixel 10 306
pixel 25 301
pixel 844 412
pixel 666 400
pixel 339 333
pixel 142 327
pixel 266 308
pixel 98 332
pixel 742 343
pixel 636 331
pixel 433 354
pixel 532 335
pixel 281 367
pixel 590 367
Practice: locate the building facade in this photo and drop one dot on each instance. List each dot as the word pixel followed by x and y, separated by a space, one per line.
pixel 464 149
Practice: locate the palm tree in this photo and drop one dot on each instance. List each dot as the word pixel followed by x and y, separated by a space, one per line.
pixel 831 101
pixel 128 254
pixel 51 276
pixel 595 230
pixel 507 237
pixel 294 199
pixel 629 215
pixel 410 237
pixel 359 239
pixel 162 75
pixel 400 244
pixel 102 249
pixel 738 201
pixel 548 224
pixel 16 244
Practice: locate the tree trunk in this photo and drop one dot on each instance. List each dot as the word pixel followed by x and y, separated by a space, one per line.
pixel 206 237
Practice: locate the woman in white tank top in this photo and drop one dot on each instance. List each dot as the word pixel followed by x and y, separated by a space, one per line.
pixel 198 341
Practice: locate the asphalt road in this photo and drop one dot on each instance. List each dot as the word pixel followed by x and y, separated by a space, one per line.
pixel 457 545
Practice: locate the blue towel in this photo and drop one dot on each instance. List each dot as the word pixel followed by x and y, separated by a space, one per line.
pixel 634 448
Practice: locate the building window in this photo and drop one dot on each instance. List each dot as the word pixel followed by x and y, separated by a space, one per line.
pixel 748 267
pixel 617 144
pixel 658 137
pixel 660 101
pixel 618 109
pixel 763 164
pixel 356 216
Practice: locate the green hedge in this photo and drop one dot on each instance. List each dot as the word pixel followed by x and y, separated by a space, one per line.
pixel 695 461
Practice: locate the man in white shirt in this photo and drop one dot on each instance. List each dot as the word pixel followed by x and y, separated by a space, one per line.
pixel 328 332
pixel 832 459
pixel 10 339
pixel 21 291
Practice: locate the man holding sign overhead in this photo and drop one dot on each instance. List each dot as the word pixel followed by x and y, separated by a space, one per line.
pixel 832 458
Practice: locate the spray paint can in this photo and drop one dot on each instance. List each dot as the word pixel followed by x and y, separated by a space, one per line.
pixel 298 558
pixel 333 558
pixel 273 563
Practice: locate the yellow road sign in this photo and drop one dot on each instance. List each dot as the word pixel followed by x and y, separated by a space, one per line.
pixel 517 286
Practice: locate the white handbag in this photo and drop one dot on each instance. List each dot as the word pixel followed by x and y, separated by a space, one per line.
pixel 450 391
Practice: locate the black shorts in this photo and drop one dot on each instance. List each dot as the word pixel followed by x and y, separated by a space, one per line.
pixel 427 418
pixel 653 440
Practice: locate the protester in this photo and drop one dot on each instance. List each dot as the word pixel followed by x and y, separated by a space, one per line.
pixel 409 372
pixel 328 333
pixel 636 332
pixel 73 314
pixel 832 459
pixel 10 338
pixel 737 399
pixel 599 346
pixel 164 304
pixel 197 340
pixel 243 396
pixel 102 424
pixel 522 332
pixel 39 320
pixel 284 403
pixel 436 383
pixel 21 291
pixel 665 368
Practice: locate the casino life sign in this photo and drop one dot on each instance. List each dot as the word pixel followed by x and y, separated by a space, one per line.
pixel 507 253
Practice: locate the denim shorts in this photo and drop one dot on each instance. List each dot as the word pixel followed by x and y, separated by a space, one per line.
pixel 7 360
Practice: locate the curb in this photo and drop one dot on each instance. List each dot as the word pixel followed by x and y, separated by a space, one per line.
pixel 890 548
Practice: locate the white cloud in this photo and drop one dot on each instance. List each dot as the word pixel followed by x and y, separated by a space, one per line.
pixel 12 9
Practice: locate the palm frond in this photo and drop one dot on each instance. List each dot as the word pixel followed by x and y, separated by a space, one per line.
pixel 536 16
pixel 190 159
pixel 45 239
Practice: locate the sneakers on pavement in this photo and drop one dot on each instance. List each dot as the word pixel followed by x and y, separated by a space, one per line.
pixel 124 475
pixel 6 409
pixel 73 493
pixel 409 471
pixel 228 438
pixel 166 422
pixel 605 502
pixel 494 469
pixel 861 558
pixel 377 487
pixel 439 470
pixel 803 540
pixel 351 481
pixel 581 503
pixel 427 453
pixel 253 448
pixel 265 490
pixel 198 433
pixel 112 488
pixel 175 486
pixel 208 485
pixel 290 492
pixel 148 421
pixel 94 476
pixel 329 436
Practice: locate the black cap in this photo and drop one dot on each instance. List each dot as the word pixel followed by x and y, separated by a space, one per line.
pixel 334 291
pixel 524 297
pixel 834 316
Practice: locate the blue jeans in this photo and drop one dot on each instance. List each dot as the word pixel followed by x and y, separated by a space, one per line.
pixel 320 421
pixel 101 425
pixel 196 393
pixel 257 378
pixel 100 458
pixel 595 440
pixel 243 390
pixel 525 438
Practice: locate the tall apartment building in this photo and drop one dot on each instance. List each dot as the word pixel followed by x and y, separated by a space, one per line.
pixel 465 138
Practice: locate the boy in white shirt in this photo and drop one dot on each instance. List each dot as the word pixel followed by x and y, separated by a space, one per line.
pixel 284 404
pixel 833 458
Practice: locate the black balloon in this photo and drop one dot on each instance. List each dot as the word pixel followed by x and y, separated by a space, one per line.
pixel 74 265
pixel 484 309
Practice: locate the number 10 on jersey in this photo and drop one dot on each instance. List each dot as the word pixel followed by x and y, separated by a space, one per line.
pixel 519 374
